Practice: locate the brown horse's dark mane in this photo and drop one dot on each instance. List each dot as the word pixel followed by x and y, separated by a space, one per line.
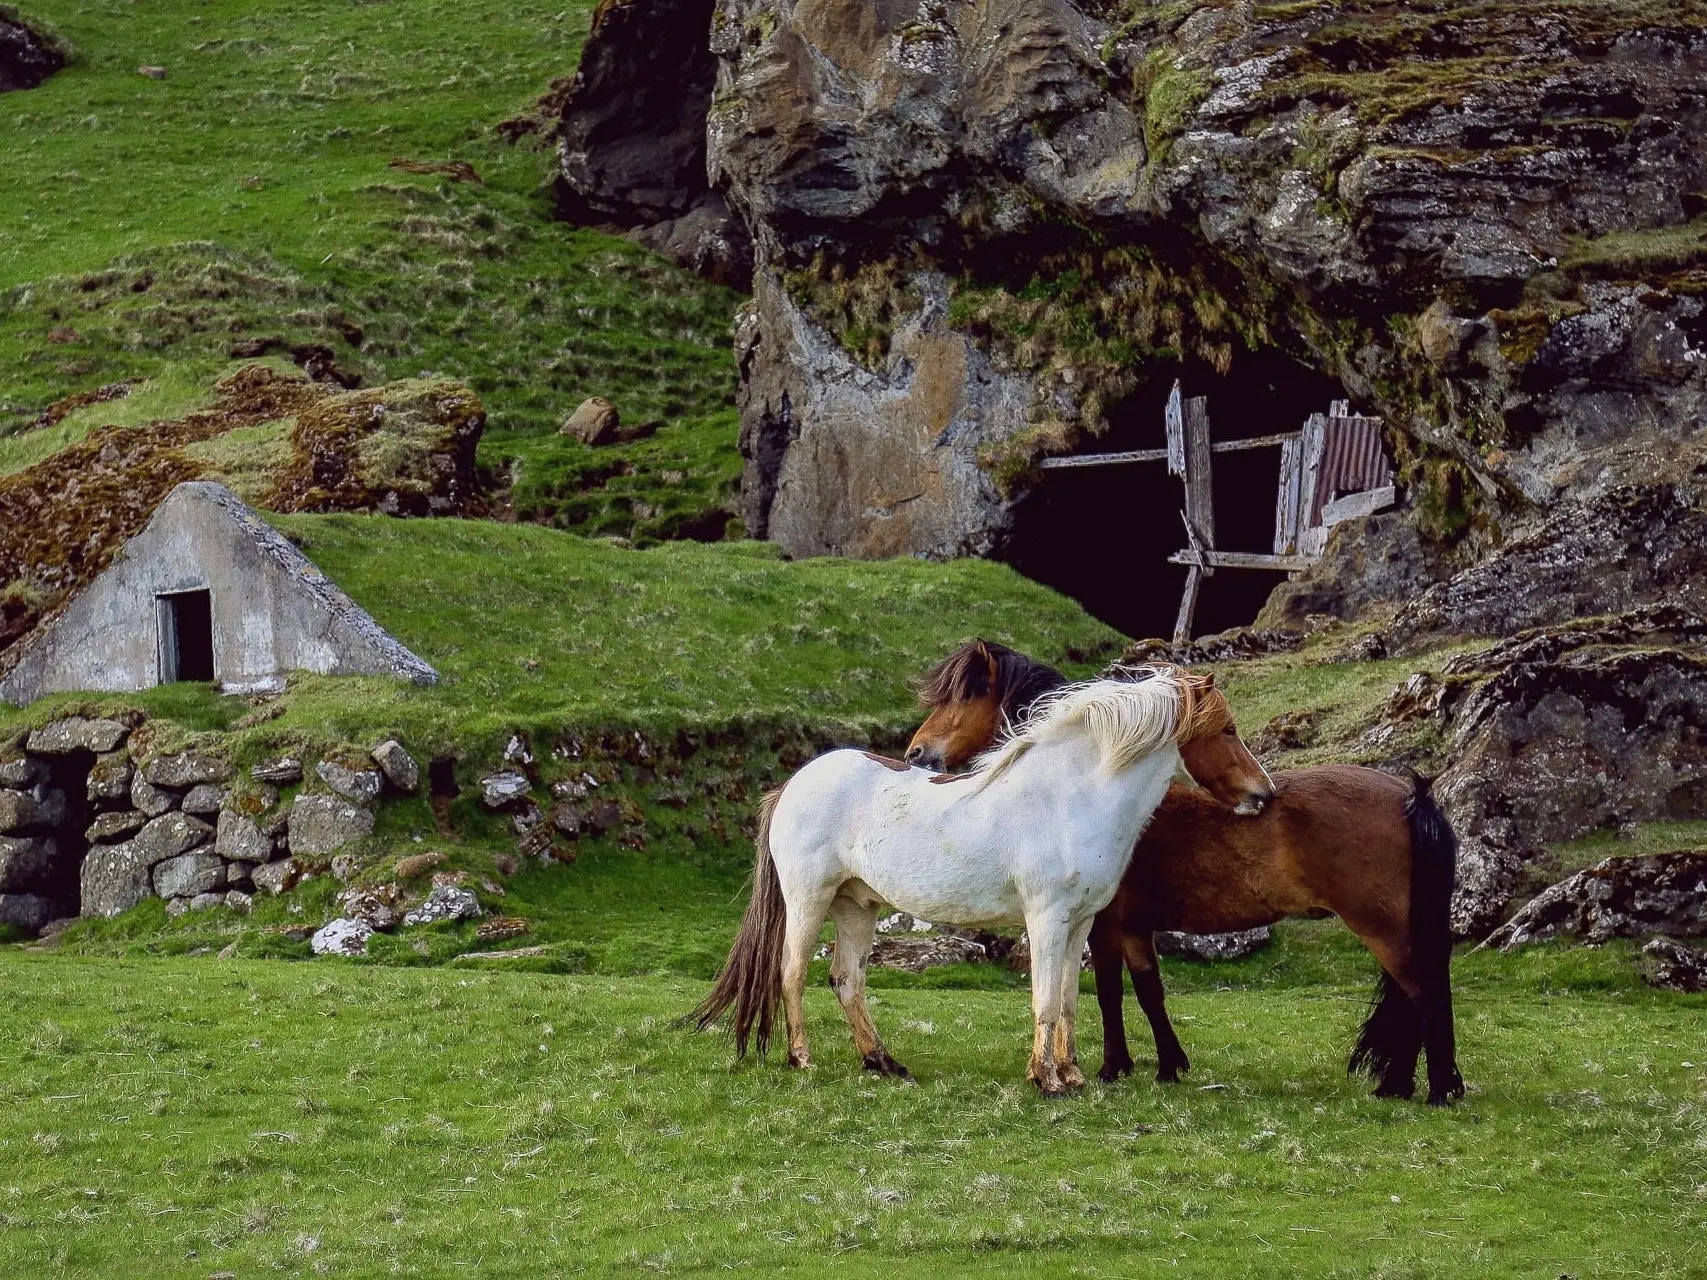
pixel 964 676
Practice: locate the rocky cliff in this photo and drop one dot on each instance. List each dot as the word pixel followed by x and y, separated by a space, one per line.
pixel 982 230
pixel 27 56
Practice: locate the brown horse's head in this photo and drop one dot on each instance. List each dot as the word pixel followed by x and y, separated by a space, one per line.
pixel 971 694
pixel 1212 751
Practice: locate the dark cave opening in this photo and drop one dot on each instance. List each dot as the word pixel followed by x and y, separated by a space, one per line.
pixel 1102 535
pixel 69 775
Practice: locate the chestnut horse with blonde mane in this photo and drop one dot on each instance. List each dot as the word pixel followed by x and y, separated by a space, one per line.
pixel 1039 834
pixel 1335 840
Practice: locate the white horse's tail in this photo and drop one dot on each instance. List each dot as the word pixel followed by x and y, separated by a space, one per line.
pixel 751 980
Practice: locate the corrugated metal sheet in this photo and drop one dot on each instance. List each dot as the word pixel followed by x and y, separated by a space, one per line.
pixel 1353 460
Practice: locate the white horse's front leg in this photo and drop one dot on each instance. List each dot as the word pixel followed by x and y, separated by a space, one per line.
pixel 1050 935
pixel 1066 1029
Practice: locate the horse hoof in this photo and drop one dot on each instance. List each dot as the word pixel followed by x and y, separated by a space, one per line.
pixel 884 1065
pixel 1167 1075
pixel 1396 1092
pixel 800 1062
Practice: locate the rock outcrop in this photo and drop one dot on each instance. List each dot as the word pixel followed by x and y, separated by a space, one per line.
pixel 1618 898
pixel 978 227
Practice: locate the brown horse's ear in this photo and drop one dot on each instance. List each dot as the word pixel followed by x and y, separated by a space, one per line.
pixel 990 664
pixel 1208 679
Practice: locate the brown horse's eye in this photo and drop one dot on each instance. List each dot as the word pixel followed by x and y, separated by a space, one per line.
pixel 1231 731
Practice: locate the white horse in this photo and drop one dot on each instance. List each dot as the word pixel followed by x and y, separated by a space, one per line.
pixel 1038 833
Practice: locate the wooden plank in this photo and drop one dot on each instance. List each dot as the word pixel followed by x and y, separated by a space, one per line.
pixel 1239 560
pixel 1103 459
pixel 1199 479
pixel 1188 605
pixel 1173 417
pixel 1310 463
pixel 1358 504
pixel 1254 442
pixel 1286 499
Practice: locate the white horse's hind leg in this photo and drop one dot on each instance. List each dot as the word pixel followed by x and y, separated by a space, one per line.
pixel 1049 938
pixel 799 937
pixel 1066 1030
pixel 855 927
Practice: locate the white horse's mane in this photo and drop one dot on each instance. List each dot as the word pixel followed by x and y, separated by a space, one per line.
pixel 1127 719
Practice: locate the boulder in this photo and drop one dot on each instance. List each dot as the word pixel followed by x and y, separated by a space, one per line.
pixel 417 864
pixel 1625 897
pixel 110 777
pixel 567 819
pixel 397 765
pixel 189 874
pixel 1562 742
pixel 501 929
pixel 595 422
pixel 1214 946
pixel 360 785
pixel 239 839
pixel 321 825
pixel 186 769
pixel 29 912
pixel 115 825
pixel 26 862
pixel 445 902
pixel 342 937
pixel 239 901
pixel 501 789
pixel 21 811
pixel 203 799
pixel 169 835
pixel 151 799
pixel 346 867
pixel 915 953
pixel 1675 966
pixel 274 877
pixel 21 772
pixel 114 878
pixel 284 771
pixel 62 737
pixel 378 906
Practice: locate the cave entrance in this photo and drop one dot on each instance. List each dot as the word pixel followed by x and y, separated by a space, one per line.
pixel 186 636
pixel 1103 534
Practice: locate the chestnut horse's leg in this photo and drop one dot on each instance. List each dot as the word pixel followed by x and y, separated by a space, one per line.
pixel 1140 951
pixel 855 927
pixel 1108 962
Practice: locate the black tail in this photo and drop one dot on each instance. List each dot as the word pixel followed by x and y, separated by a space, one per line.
pixel 1392 1034
pixel 751 980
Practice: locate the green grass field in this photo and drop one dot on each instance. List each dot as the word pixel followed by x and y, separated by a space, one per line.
pixel 199 1118
pixel 250 193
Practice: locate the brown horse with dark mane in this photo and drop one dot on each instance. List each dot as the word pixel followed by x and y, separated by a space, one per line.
pixel 1341 840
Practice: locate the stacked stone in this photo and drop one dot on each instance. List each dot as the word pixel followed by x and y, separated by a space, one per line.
pixel 35 878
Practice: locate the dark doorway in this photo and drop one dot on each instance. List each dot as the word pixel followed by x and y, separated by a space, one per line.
pixel 1103 534
pixel 186 637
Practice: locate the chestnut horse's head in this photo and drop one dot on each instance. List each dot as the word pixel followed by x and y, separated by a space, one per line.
pixel 973 694
pixel 1211 749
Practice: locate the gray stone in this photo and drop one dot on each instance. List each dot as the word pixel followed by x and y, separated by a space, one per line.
pixel 595 421
pixel 19 811
pixel 321 825
pixel 114 878
pixel 239 901
pixel 273 611
pixel 30 912
pixel 110 777
pixel 446 902
pixel 151 799
pixel 1675 966
pixel 285 771
pixel 397 765
pixel 21 772
pixel 360 785
pixel 205 901
pixel 62 737
pixel 1630 897
pixel 342 937
pixel 26 863
pixel 346 867
pixel 1214 946
pixel 203 799
pixel 170 835
pixel 188 875
pixel 186 769
pixel 274 877
pixel 239 839
pixel 177 907
pixel 503 788
pixel 377 905
pixel 517 751
pixel 115 825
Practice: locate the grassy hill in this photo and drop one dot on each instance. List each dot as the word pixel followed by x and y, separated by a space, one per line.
pixel 249 194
